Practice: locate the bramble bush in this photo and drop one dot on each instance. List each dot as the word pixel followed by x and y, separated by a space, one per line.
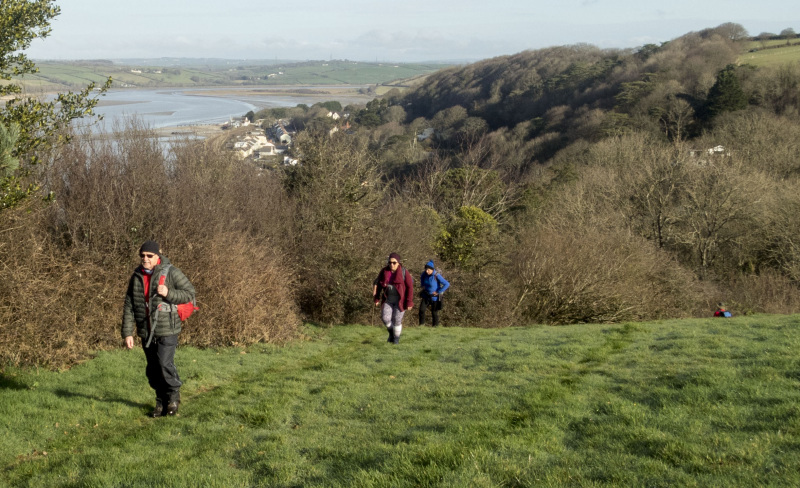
pixel 67 262
pixel 595 275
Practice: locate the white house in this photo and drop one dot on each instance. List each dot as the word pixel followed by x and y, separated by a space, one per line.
pixel 267 149
pixel 253 144
pixel 425 134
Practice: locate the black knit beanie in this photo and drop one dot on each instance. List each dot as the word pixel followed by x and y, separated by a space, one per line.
pixel 149 246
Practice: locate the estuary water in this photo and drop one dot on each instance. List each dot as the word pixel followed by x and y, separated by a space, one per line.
pixel 196 106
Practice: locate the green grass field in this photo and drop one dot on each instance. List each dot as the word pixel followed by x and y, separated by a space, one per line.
pixel 773 57
pixel 56 75
pixel 711 402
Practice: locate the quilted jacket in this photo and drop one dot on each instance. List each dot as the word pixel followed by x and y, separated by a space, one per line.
pixel 134 312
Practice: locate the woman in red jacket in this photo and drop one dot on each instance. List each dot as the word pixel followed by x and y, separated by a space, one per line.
pixel 394 289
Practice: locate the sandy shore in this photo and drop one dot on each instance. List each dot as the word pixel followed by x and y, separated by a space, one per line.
pixel 106 103
pixel 281 90
pixel 343 94
pixel 205 131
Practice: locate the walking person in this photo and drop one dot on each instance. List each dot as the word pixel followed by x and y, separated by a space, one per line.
pixel 432 284
pixel 149 309
pixel 393 289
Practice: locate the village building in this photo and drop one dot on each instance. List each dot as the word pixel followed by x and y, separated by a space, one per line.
pixel 425 134
pixel 252 145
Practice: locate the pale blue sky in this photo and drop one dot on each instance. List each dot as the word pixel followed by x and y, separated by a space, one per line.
pixel 369 30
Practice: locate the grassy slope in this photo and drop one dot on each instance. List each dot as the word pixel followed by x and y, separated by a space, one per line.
pixel 771 57
pixel 679 403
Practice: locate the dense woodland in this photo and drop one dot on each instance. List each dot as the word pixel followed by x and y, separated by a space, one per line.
pixel 563 185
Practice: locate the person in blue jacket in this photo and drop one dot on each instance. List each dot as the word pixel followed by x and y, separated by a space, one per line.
pixel 432 285
pixel 721 312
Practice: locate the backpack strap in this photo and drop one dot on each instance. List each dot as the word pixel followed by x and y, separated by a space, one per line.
pixel 162 277
pixel 437 275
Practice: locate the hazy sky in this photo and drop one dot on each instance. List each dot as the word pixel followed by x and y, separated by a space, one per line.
pixel 369 30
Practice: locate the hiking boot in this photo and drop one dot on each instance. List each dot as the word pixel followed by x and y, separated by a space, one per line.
pixel 396 340
pixel 391 335
pixel 172 408
pixel 158 410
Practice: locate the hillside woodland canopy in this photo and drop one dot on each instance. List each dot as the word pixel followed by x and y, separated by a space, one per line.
pixel 563 185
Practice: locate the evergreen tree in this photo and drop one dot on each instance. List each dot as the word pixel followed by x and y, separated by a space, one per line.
pixel 39 124
pixel 726 95
pixel 8 139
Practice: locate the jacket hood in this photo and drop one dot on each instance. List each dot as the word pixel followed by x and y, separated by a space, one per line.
pixel 430 265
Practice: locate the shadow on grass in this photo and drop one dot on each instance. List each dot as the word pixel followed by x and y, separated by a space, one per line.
pixel 7 383
pixel 61 393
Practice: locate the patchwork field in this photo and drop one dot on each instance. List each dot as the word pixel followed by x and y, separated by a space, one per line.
pixel 54 76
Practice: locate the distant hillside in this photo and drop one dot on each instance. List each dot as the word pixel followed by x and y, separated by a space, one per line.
pixel 57 75
pixel 509 89
pixel 567 93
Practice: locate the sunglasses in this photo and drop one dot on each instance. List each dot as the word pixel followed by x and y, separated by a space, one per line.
pixel 393 262
pixel 147 255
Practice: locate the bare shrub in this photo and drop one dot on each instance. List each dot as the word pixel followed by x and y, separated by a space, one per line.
pixel 56 307
pixel 479 299
pixel 213 192
pixel 702 207
pixel 777 88
pixel 768 292
pixel 719 203
pixel 777 243
pixel 337 288
pixel 568 275
pixel 110 195
pixel 245 291
pixel 766 142
pixel 410 229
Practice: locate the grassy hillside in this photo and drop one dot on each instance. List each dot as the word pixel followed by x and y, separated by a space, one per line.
pixel 712 402
pixel 775 55
pixel 58 75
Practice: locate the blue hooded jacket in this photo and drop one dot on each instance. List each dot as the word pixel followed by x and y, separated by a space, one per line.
pixel 433 283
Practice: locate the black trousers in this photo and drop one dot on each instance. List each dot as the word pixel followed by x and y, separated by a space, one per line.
pixel 436 306
pixel 162 374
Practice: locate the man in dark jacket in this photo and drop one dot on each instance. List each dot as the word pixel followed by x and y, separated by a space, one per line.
pixel 150 308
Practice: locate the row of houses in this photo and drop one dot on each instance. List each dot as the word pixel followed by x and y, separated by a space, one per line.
pixel 260 144
pixel 279 133
pixel 254 145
